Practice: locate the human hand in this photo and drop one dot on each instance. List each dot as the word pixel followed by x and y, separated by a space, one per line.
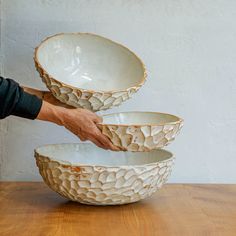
pixel 82 123
pixel 79 121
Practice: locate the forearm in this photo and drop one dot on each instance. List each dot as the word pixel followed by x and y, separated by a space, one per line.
pixel 49 110
pixel 35 92
pixel 51 113
pixel 46 96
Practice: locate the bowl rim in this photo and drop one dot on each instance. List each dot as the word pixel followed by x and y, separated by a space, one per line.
pixel 68 163
pixel 179 120
pixel 138 85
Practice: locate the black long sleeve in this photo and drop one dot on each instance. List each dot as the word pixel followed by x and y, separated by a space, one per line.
pixel 14 101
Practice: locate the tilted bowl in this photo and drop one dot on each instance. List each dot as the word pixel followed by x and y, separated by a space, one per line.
pixel 140 131
pixel 89 71
pixel 89 175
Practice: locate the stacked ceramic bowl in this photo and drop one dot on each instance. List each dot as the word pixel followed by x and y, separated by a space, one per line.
pixel 92 72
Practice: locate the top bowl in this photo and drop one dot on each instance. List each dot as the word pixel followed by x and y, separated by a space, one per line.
pixel 89 71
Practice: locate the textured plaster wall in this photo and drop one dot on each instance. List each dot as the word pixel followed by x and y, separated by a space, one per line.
pixel 190 52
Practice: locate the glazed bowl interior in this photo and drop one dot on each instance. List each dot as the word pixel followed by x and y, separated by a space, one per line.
pixel 88 154
pixel 90 62
pixel 139 118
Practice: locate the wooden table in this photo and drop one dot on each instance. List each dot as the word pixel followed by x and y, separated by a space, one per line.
pixel 177 209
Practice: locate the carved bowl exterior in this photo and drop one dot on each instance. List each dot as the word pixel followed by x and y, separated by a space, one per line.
pixel 89 175
pixel 89 71
pixel 140 131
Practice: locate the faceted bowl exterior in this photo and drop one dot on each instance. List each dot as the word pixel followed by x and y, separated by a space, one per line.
pixel 141 138
pixel 103 185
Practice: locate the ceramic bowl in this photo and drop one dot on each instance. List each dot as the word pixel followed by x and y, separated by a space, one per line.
pixel 89 175
pixel 89 71
pixel 140 131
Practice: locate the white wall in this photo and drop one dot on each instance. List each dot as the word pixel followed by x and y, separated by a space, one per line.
pixel 189 47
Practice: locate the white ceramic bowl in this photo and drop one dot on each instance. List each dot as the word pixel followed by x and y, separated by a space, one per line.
pixel 89 71
pixel 89 175
pixel 141 131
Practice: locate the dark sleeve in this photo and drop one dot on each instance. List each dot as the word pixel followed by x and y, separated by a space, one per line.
pixel 14 101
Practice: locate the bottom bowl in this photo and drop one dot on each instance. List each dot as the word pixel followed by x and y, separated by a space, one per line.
pixel 90 175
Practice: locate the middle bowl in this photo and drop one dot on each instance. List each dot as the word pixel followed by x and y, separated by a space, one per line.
pixel 140 131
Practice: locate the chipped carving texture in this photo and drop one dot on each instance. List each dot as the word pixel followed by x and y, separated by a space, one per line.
pixel 141 138
pixel 77 97
pixel 97 185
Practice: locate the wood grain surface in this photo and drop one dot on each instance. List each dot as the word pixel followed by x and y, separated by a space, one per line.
pixel 31 208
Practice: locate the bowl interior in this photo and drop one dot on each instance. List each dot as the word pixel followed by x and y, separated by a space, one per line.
pixel 139 118
pixel 88 154
pixel 90 62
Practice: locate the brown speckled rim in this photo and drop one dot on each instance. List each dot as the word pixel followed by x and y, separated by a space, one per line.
pixel 38 65
pixel 178 119
pixel 37 154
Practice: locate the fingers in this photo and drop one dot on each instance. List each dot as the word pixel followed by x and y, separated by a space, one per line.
pixel 105 141
pixel 115 148
pixel 101 141
pixel 83 123
pixel 105 146
pixel 82 138
pixel 97 143
pixel 97 119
